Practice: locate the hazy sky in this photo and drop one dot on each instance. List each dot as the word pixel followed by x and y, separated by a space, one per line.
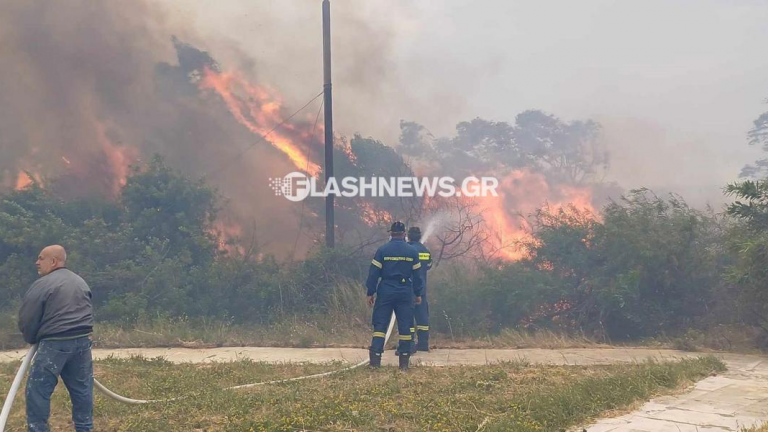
pixel 676 84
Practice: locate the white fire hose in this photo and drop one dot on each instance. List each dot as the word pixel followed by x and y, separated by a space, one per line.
pixel 28 358
pixel 15 387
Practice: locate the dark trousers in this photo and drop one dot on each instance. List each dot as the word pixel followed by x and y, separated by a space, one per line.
pixel 70 359
pixel 421 316
pixel 399 301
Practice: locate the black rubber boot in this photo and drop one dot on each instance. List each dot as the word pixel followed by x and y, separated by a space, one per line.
pixel 404 360
pixel 375 359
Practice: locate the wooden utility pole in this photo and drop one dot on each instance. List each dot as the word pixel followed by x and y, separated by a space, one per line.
pixel 328 103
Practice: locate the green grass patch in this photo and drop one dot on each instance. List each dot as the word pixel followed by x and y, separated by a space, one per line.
pixel 511 396
pixel 297 332
pixel 763 428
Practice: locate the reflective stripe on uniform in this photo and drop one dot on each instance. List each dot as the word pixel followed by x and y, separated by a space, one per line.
pixel 376 263
pixel 424 256
pixel 413 329
pixel 417 266
pixel 405 337
pixel 398 259
pixel 424 328
pixel 379 334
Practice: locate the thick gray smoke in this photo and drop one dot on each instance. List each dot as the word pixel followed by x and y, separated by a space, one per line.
pixel 88 88
pixel 69 76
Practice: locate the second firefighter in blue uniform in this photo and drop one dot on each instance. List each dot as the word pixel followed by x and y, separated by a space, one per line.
pixel 421 311
pixel 393 281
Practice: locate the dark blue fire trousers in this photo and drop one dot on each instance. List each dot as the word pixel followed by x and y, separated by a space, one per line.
pixel 421 311
pixel 398 299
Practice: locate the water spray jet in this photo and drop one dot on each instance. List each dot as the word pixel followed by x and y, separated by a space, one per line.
pixel 436 221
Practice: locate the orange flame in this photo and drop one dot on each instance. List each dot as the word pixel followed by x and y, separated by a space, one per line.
pixel 228 234
pixel 520 194
pixel 23 180
pixel 347 148
pixel 119 159
pixel 258 111
pixel 373 217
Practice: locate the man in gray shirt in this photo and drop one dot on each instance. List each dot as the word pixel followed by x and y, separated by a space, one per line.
pixel 56 314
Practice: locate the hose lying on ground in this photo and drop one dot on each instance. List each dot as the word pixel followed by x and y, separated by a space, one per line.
pixel 28 358
pixel 124 399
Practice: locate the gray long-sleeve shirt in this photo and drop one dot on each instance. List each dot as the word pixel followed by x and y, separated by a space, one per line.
pixel 56 305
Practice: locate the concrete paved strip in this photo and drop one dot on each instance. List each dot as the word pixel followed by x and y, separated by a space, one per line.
pixel 730 401
pixel 443 357
pixel 727 402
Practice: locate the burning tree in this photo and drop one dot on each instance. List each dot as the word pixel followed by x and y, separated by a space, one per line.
pixel 122 102
pixel 538 160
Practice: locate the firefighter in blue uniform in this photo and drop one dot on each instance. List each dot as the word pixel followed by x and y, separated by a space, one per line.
pixel 421 310
pixel 393 281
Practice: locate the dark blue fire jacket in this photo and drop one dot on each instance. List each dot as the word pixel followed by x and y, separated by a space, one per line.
pixel 395 265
